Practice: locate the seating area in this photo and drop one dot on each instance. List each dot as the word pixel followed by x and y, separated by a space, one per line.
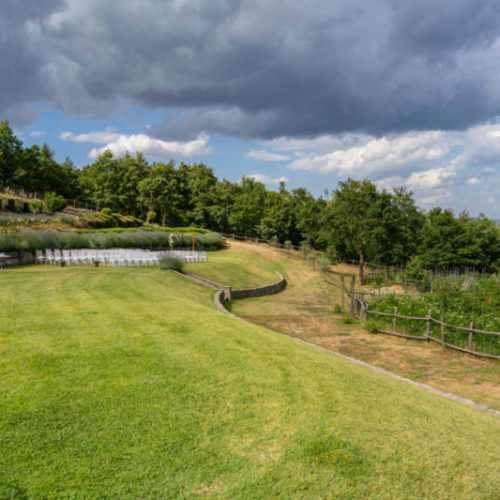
pixel 115 257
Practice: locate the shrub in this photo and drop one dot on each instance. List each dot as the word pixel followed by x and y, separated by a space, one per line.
pixel 347 319
pixel 288 246
pixel 337 308
pixel 305 250
pixel 371 326
pixel 171 263
pixel 54 203
pixel 417 274
pixel 36 206
pixel 324 263
pixel 332 255
pixel 274 242
pixel 210 240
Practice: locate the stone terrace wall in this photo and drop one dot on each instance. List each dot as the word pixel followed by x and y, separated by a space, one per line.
pixel 271 289
pixel 226 293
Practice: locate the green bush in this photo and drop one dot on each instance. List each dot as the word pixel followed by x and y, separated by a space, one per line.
pixel 274 242
pixel 36 206
pixel 171 263
pixel 32 240
pixel 347 319
pixel 371 326
pixel 337 308
pixel 54 203
pixel 305 250
pixel 324 263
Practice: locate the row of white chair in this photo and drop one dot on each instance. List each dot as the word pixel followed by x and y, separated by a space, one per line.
pixel 115 256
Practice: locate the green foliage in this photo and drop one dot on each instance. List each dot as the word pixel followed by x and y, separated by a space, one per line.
pixel 288 246
pixel 337 308
pixel 347 320
pixel 36 206
pixel 39 240
pixel 106 219
pixel 480 305
pixel 370 326
pixel 274 242
pixel 54 203
pixel 167 263
pixel 323 263
pixel 416 272
pixel 305 250
pixel 359 222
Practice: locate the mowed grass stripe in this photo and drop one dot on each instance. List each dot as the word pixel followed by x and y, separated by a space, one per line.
pixel 128 383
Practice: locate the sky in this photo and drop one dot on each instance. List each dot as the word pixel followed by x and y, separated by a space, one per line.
pixel 309 92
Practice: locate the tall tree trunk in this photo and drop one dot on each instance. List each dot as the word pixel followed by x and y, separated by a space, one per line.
pixel 361 265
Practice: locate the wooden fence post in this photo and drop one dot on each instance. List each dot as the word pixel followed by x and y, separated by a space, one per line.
pixel 428 333
pixel 442 331
pixel 471 332
pixel 395 320
pixel 343 291
pixel 352 303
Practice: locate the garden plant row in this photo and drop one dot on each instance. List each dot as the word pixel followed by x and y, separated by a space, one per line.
pixel 31 240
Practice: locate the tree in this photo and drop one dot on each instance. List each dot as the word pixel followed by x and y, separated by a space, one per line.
pixel 158 192
pixel 248 207
pixel 354 219
pixel 10 154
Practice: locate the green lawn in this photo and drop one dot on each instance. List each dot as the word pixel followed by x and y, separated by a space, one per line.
pixel 238 268
pixel 128 383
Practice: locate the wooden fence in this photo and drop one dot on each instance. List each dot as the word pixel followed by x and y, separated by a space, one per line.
pixel 360 309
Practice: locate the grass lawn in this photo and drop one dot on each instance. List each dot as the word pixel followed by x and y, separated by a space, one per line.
pixel 243 266
pixel 128 383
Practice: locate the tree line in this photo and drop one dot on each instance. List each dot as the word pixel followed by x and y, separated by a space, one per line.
pixel 355 221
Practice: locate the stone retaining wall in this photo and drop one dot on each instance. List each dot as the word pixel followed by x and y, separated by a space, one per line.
pixel 226 293
pixel 271 289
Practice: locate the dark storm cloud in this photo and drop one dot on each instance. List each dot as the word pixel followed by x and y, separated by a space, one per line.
pixel 258 68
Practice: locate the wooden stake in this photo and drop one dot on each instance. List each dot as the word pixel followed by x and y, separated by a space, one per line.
pixel 442 331
pixel 428 333
pixel 471 332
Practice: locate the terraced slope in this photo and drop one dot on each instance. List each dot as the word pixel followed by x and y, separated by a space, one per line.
pixel 128 383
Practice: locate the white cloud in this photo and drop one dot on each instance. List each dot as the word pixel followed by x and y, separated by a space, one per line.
pixel 263 155
pixel 472 181
pixel 268 180
pixel 36 133
pixel 380 158
pixel 96 137
pixel 119 144
pixel 431 179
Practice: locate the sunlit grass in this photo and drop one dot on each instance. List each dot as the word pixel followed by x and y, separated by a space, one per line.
pixel 128 383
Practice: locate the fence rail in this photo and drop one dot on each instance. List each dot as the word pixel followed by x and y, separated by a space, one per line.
pixel 358 303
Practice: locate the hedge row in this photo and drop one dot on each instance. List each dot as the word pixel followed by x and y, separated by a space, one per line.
pixel 31 240
pixel 146 227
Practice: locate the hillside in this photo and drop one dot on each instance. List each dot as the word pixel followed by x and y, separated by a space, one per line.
pixel 306 311
pixel 128 383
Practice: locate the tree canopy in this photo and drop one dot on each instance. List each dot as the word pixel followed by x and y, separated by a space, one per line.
pixel 357 221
